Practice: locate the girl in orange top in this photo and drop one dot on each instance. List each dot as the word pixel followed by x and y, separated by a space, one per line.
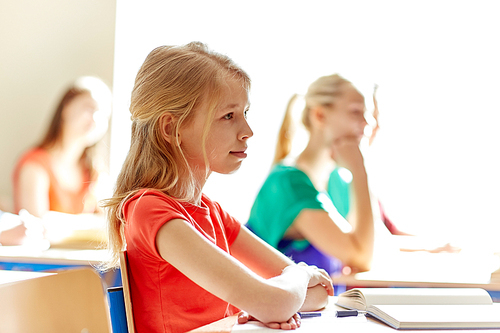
pixel 190 262
pixel 57 175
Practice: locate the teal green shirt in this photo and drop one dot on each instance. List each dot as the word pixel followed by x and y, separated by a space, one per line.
pixel 284 194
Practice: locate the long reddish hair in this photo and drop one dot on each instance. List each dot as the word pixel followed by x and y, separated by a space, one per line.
pixel 53 136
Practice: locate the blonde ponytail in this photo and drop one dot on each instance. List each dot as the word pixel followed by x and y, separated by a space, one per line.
pixel 285 135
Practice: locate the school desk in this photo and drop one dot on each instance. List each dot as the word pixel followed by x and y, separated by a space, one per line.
pixel 83 231
pixel 14 276
pixel 328 322
pixel 69 301
pixel 424 269
pixel 23 258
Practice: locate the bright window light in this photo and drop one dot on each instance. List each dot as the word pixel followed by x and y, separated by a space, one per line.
pixel 435 163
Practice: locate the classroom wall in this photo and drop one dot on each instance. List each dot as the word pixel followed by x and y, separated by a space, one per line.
pixel 44 46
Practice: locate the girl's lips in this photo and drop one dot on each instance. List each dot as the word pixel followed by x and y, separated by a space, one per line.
pixel 239 154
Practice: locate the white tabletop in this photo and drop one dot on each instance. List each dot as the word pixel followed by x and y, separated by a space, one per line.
pixel 14 276
pixel 328 322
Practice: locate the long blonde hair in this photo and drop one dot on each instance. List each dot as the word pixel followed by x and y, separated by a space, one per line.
pixel 173 80
pixel 324 91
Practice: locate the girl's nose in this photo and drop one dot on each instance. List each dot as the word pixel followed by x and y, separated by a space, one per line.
pixel 247 132
pixel 365 121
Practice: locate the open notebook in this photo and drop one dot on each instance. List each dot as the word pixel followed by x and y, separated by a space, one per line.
pixel 425 308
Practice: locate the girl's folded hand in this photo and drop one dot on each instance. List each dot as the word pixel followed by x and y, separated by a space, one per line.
pixel 291 324
pixel 318 277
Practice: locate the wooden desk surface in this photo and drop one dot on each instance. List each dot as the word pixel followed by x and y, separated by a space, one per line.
pixel 69 301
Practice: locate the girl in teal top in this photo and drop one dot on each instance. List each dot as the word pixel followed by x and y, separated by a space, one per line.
pixel 313 209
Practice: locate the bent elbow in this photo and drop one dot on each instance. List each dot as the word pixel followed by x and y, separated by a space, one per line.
pixel 279 308
pixel 361 256
pixel 363 267
pixel 361 263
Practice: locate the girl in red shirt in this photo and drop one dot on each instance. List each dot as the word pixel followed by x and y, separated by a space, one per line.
pixel 190 262
pixel 60 173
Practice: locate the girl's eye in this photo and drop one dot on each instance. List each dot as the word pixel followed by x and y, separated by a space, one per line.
pixel 228 116
pixel 246 114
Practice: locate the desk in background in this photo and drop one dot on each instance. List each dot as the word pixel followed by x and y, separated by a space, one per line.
pixel 428 270
pixel 22 258
pixel 15 276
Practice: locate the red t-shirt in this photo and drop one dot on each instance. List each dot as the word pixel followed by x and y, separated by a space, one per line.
pixel 163 299
pixel 60 199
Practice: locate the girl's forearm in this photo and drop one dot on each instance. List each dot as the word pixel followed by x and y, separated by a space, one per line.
pixel 363 233
pixel 288 291
pixel 284 282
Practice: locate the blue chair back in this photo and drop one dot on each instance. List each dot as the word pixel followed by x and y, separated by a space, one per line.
pixel 117 310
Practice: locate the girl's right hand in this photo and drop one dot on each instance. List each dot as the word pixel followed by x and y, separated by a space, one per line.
pixel 346 153
pixel 318 276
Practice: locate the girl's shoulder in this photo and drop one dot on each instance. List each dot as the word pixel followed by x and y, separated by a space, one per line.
pixel 287 173
pixel 210 204
pixel 207 201
pixel 149 196
pixel 38 157
pixel 35 155
pixel 283 169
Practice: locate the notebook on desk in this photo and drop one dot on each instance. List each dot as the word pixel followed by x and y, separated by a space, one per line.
pixel 425 308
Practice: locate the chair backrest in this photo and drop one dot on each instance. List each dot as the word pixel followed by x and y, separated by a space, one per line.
pixel 117 310
pixel 70 301
pixel 126 291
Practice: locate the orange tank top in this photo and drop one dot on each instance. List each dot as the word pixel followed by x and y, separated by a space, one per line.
pixel 60 199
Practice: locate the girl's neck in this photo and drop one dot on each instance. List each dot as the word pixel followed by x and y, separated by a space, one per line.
pixel 200 180
pixel 316 161
pixel 196 199
pixel 68 153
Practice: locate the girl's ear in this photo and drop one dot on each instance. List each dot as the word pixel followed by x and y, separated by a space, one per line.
pixel 166 123
pixel 317 115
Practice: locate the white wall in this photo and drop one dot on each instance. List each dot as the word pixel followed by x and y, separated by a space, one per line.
pixel 44 45
pixel 435 162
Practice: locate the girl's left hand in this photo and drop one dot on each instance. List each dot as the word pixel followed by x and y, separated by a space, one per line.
pixel 318 277
pixel 291 324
